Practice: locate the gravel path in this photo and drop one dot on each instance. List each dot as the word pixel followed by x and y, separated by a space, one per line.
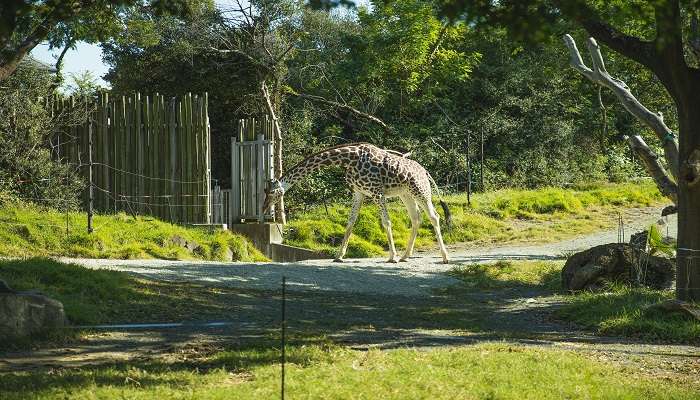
pixel 370 276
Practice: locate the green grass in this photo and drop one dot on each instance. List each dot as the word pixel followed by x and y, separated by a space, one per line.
pixel 508 274
pixel 623 311
pixel 101 296
pixel 27 230
pixel 485 371
pixel 546 214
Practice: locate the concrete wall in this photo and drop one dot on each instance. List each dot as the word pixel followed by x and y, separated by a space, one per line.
pixel 268 239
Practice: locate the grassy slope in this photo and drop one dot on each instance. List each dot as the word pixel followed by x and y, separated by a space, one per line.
pixel 27 230
pixel 101 296
pixel 620 311
pixel 501 216
pixel 485 371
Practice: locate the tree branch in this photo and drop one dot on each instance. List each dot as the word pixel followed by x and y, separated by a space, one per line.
pixel 600 75
pixel 651 161
pixel 630 46
pixel 350 109
pixel 252 60
pixel 59 60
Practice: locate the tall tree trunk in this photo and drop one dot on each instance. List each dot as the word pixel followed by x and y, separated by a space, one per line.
pixel 688 256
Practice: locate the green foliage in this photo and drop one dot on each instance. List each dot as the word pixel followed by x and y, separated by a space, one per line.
pixel 27 230
pixel 499 216
pixel 624 311
pixel 657 243
pixel 27 168
pixel 494 371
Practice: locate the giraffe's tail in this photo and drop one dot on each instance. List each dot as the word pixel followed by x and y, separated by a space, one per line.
pixel 445 208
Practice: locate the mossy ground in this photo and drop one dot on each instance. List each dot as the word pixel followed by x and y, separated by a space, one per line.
pixel 540 215
pixel 29 230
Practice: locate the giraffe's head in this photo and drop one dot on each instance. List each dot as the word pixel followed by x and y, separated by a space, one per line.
pixel 273 192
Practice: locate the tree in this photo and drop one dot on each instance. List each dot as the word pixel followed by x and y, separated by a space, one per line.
pixel 26 23
pixel 660 35
pixel 29 169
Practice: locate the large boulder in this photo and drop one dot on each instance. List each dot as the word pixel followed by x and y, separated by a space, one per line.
pixel 23 314
pixel 620 262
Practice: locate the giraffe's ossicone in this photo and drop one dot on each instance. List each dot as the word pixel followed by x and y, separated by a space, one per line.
pixel 376 174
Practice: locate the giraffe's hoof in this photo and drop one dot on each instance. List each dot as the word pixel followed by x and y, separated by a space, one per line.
pixel 338 260
pixel 392 261
pixel 445 261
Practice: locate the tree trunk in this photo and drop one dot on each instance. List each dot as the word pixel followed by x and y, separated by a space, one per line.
pixel 688 255
pixel 280 215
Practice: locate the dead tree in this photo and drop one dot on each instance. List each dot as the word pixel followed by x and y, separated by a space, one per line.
pixel 664 176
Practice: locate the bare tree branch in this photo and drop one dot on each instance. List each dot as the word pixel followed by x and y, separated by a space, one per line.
pixel 651 161
pixel 600 76
pixel 350 109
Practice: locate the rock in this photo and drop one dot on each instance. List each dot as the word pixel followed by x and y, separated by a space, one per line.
pixel 639 240
pixel 678 306
pixel 178 240
pixel 23 314
pixel 589 269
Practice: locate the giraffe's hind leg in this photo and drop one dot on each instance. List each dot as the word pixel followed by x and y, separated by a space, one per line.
pixel 414 213
pixel 427 205
pixel 357 199
pixel 386 223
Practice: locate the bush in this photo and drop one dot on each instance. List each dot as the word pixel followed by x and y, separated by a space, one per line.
pixel 27 168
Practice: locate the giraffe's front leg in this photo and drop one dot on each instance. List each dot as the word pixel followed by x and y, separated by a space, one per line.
pixel 357 199
pixel 414 213
pixel 386 223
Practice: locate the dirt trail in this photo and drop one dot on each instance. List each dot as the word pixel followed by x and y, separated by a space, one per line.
pixel 363 303
pixel 417 277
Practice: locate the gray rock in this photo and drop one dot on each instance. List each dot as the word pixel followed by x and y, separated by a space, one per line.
pixel 178 240
pixel 620 262
pixel 23 314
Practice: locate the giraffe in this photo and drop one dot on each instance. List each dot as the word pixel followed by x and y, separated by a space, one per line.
pixel 375 174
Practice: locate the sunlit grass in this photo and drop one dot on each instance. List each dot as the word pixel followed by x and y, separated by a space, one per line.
pixel 508 274
pixel 27 230
pixel 502 216
pixel 485 371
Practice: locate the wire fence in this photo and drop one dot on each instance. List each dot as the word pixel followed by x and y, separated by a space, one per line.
pixel 137 150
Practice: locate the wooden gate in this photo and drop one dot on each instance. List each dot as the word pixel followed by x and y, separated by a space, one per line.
pixel 251 169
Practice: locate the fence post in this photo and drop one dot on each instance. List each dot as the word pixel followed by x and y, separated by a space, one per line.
pixel 90 187
pixel 469 173
pixel 260 184
pixel 235 202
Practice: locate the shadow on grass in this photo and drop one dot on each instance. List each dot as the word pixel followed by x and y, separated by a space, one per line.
pixel 502 304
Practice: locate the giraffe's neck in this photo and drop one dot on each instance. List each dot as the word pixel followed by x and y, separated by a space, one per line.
pixel 337 156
